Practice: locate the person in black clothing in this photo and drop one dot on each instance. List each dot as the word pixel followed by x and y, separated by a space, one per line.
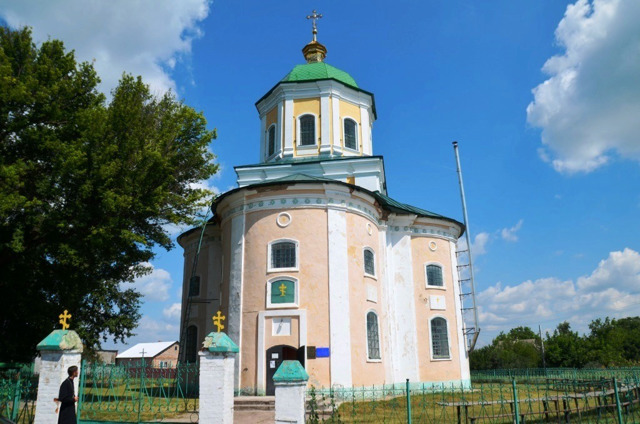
pixel 68 399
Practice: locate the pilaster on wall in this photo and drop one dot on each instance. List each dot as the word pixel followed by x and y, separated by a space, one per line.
pixel 401 313
pixel 325 114
pixel 339 324
pixel 235 287
pixel 288 127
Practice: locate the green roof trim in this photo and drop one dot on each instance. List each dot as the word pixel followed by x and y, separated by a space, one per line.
pixel 319 71
pixel 290 371
pixel 312 159
pixel 395 206
pixel 61 340
pixel 219 343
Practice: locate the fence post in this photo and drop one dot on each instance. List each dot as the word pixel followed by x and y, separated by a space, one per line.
pixel 290 380
pixel 408 403
pixel 217 364
pixel 618 407
pixel 516 407
pixel 59 350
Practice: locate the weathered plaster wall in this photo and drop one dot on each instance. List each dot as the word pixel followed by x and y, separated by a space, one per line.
pixel 422 254
pixel 364 371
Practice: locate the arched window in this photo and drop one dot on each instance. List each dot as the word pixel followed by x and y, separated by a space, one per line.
pixel 373 336
pixel 282 292
pixel 307 130
pixel 369 262
pixel 350 134
pixel 271 141
pixel 283 255
pixel 191 344
pixel 434 276
pixel 439 339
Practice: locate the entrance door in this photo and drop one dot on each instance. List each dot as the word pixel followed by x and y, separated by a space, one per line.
pixel 275 356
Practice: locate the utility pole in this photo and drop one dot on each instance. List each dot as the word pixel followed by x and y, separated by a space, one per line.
pixel 544 362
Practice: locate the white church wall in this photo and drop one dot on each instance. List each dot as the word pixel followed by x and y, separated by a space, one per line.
pixel 339 296
pixel 465 374
pixel 234 319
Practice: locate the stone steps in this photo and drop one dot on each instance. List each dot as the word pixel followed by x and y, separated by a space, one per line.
pixel 254 403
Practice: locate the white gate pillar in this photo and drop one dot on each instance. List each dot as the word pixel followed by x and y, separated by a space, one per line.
pixel 291 384
pixel 217 362
pixel 59 350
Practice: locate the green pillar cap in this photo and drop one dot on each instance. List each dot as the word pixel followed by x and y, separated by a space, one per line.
pixel 61 340
pixel 219 343
pixel 290 371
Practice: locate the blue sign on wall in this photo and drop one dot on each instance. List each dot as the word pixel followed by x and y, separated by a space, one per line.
pixel 322 352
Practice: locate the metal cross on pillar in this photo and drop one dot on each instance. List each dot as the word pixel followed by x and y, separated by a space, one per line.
pixel 63 319
pixel 314 17
pixel 217 321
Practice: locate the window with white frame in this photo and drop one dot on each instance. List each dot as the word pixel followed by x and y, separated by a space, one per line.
pixel 282 292
pixel 439 339
pixel 369 262
pixel 283 255
pixel 350 134
pixel 434 275
pixel 307 130
pixel 373 336
pixel 271 140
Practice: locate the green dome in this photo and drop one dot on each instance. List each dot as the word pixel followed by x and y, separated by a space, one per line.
pixel 319 71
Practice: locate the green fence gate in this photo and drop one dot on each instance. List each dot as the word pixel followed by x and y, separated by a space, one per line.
pixel 18 392
pixel 138 393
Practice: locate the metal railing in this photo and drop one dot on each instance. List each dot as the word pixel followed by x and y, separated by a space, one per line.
pixel 137 392
pixel 18 392
pixel 611 400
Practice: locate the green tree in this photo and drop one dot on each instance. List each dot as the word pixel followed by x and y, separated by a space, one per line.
pixel 87 188
pixel 565 348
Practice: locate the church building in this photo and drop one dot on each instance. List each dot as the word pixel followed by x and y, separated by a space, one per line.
pixel 309 258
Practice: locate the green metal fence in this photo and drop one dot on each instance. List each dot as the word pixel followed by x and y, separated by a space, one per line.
pixel 564 373
pixel 138 393
pixel 612 400
pixel 18 392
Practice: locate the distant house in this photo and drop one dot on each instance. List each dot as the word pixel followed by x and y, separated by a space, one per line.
pixel 107 357
pixel 156 355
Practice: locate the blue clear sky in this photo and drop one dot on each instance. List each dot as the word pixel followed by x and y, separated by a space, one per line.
pixel 440 71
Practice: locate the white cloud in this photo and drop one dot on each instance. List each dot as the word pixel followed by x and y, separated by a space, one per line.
pixel 478 245
pixel 142 37
pixel 589 106
pixel 509 234
pixel 155 285
pixel 612 289
pixel 172 312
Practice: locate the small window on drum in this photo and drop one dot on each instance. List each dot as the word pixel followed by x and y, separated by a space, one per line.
pixel 307 130
pixel 194 286
pixel 434 276
pixel 271 141
pixel 283 255
pixel 369 262
pixel 350 134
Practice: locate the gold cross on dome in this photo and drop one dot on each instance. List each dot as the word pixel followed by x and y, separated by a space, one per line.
pixel 283 289
pixel 314 17
pixel 217 321
pixel 63 319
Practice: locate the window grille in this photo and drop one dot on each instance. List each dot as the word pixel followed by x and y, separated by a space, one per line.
pixel 439 339
pixel 350 138
pixel 194 286
pixel 283 255
pixel 307 130
pixel 434 275
pixel 369 262
pixel 191 344
pixel 373 338
pixel 272 141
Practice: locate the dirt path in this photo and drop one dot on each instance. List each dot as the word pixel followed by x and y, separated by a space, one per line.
pixel 254 417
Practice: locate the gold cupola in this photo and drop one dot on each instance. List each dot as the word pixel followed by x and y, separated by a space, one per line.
pixel 314 51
